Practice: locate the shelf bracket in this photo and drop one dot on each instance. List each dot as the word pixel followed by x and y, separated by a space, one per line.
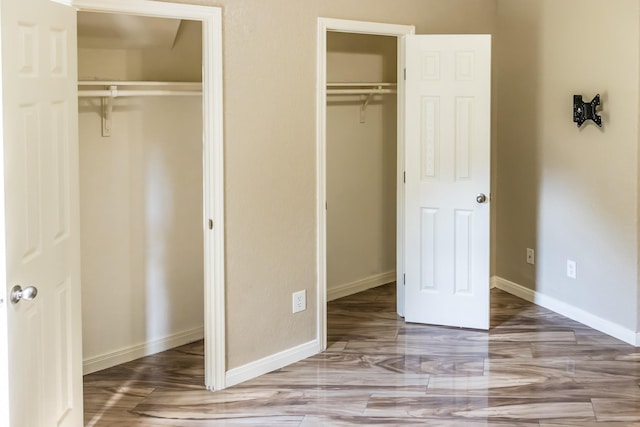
pixel 363 108
pixel 107 110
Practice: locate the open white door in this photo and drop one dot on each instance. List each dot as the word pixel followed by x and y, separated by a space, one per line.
pixel 447 165
pixel 39 134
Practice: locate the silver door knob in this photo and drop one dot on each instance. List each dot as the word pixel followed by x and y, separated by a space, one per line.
pixel 481 198
pixel 28 293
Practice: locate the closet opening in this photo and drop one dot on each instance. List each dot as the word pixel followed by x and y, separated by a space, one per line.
pixel 361 164
pixel 142 181
pixel 360 151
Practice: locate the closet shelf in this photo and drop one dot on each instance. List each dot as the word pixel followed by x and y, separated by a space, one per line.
pixel 109 90
pixel 361 88
pixel 365 90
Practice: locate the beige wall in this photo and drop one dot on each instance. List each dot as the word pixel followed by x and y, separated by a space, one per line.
pixel 181 63
pixel 361 162
pixel 269 116
pixel 141 207
pixel 566 192
pixel 569 193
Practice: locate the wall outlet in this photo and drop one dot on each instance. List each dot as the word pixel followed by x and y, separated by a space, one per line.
pixel 299 301
pixel 572 269
pixel 530 256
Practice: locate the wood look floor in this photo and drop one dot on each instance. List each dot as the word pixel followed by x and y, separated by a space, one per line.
pixel 533 368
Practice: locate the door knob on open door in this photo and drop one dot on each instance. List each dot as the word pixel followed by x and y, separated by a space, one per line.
pixel 28 293
pixel 481 198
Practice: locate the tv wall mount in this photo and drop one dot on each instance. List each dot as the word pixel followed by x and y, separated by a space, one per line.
pixel 583 111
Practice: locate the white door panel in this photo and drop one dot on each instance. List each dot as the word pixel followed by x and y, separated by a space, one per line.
pixel 42 224
pixel 447 163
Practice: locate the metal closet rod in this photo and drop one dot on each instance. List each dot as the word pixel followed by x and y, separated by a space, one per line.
pixel 120 93
pixel 346 84
pixel 365 90
pixel 111 89
pixel 359 88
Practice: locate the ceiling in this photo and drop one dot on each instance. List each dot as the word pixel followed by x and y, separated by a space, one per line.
pixel 113 31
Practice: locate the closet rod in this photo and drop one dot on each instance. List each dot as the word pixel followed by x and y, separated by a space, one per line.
pixel 359 91
pixel 120 93
pixel 359 84
pixel 110 91
pixel 365 90
pixel 361 88
pixel 194 85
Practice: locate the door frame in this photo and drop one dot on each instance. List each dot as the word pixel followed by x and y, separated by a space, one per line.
pixel 356 27
pixel 213 162
pixel 213 194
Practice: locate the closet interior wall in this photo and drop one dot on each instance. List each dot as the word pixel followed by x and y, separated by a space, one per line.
pixel 361 166
pixel 141 204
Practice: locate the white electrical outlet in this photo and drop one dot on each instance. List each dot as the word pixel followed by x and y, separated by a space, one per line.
pixel 572 269
pixel 299 301
pixel 530 256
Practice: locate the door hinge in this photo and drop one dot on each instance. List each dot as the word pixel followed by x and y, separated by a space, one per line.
pixel 404 177
pixel 210 224
pixel 326 206
pixel 405 74
pixel 404 279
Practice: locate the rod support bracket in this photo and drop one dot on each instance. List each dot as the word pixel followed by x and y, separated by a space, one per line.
pixel 107 110
pixel 363 108
pixel 366 99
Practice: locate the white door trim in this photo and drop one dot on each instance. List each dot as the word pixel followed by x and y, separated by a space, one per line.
pixel 359 27
pixel 4 302
pixel 213 195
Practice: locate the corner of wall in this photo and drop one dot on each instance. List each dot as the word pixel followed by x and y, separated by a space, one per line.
pixel 549 169
pixel 568 310
pixel 271 363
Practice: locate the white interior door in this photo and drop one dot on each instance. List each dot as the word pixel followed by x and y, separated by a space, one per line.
pixel 42 219
pixel 447 165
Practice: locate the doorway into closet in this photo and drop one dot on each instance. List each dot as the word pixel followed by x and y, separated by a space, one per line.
pixel 360 150
pixel 141 185
pixel 150 107
pixel 44 195
pixel 361 146
pixel 427 65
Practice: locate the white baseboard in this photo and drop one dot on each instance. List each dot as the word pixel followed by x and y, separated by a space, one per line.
pixel 127 354
pixel 271 363
pixel 568 310
pixel 347 289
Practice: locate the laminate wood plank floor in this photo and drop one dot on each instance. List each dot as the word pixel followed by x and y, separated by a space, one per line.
pixel 533 368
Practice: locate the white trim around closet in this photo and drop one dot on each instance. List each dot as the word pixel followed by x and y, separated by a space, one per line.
pixel 213 195
pixel 359 27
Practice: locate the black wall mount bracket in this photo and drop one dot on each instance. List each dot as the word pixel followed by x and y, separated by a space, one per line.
pixel 583 111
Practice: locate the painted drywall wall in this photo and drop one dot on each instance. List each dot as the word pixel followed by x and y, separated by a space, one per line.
pixel 361 164
pixel 569 193
pixel 141 207
pixel 181 63
pixel 270 145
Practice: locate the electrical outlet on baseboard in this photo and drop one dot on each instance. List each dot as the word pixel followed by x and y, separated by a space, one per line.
pixel 299 301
